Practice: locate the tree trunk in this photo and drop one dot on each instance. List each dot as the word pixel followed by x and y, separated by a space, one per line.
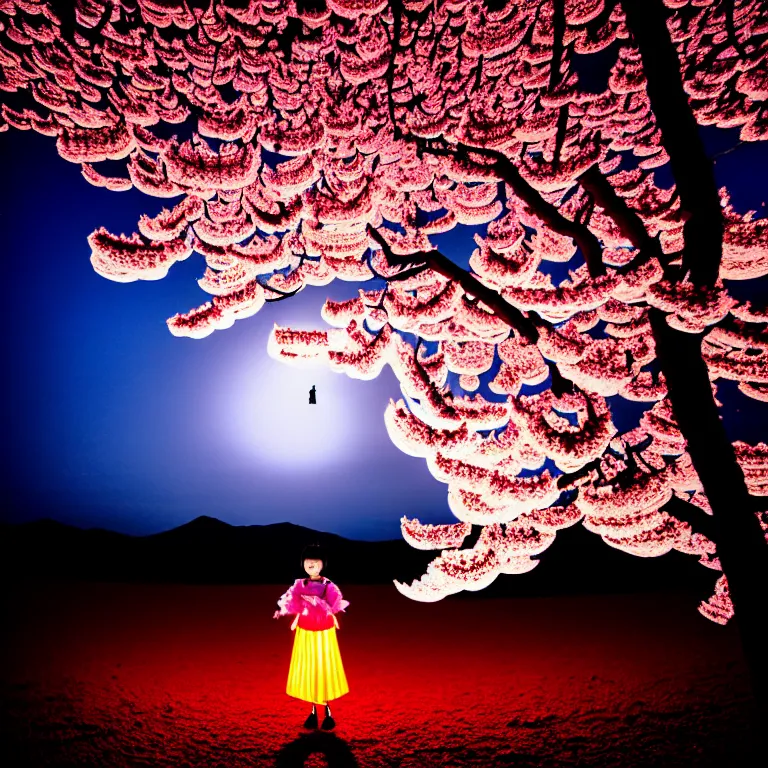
pixel 741 545
pixel 691 168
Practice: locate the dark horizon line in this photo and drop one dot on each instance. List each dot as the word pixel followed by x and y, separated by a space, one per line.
pixel 284 523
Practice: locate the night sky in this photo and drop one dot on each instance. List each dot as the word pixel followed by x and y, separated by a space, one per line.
pixel 112 422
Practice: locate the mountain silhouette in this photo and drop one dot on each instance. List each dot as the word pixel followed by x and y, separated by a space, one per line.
pixel 208 550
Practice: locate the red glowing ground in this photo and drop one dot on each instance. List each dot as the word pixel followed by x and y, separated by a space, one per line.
pixel 151 675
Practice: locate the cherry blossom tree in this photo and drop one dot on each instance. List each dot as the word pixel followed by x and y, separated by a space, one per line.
pixel 343 139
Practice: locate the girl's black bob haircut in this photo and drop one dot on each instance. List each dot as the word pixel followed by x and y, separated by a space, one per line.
pixel 314 552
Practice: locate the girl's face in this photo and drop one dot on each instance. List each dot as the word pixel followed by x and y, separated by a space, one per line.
pixel 313 567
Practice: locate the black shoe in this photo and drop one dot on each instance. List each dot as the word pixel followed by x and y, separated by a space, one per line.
pixel 328 723
pixel 311 721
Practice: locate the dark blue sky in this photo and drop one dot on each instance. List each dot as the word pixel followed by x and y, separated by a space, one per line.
pixel 110 421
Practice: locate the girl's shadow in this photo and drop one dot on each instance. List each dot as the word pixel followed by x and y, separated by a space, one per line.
pixel 336 751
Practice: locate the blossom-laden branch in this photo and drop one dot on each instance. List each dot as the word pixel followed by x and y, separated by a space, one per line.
pixel 441 264
pixel 547 212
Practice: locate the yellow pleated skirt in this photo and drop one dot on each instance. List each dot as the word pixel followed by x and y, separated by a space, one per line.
pixel 316 673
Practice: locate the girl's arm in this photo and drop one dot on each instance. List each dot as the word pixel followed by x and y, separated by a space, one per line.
pixel 334 599
pixel 290 602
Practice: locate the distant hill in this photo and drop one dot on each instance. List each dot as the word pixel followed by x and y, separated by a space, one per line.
pixel 207 550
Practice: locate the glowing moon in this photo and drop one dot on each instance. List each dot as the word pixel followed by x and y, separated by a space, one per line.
pixel 269 414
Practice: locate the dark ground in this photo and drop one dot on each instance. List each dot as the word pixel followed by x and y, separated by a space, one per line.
pixel 186 675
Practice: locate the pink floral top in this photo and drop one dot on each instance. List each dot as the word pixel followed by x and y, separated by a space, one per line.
pixel 316 613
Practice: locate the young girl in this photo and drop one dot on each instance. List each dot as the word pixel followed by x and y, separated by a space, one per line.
pixel 316 674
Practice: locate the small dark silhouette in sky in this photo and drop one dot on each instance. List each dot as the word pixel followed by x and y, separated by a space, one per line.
pixel 312 400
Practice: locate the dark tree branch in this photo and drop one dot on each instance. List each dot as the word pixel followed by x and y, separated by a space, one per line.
pixel 589 245
pixel 406 273
pixel 741 544
pixel 731 27
pixel 416 349
pixel 281 294
pixel 394 44
pixel 445 267
pixel 558 30
pixel 562 127
pixel 560 385
pixel 628 221
pixel 691 168
pixel 478 74
pixel 699 520
pixel 728 151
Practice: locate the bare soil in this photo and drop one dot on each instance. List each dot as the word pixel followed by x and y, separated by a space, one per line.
pixel 97 674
